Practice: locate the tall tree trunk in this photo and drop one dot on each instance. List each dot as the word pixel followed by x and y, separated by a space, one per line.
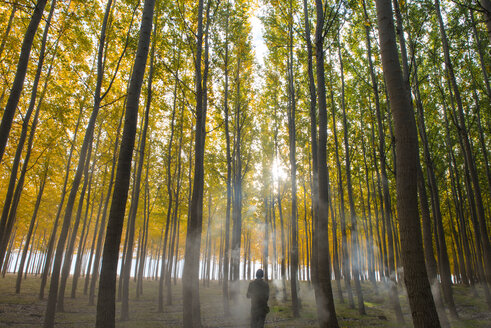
pixel 486 6
pixel 165 258
pixel 136 192
pixel 482 61
pixel 8 29
pixel 470 196
pixel 49 318
pixel 30 232
pixel 52 239
pixel 386 208
pixel 325 303
pixel 430 260
pixel 265 242
pixel 354 234
pixel 344 238
pixel 335 244
pixel 191 310
pixel 67 262
pixel 175 214
pixel 6 263
pixel 8 208
pixel 20 75
pixel 237 192
pixel 226 252
pixel 418 288
pixel 293 171
pixel 468 156
pixel 83 239
pixel 370 238
pixel 94 235
pixel 313 143
pixel 306 262
pixel 106 306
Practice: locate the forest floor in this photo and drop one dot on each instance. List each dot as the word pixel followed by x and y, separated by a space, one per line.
pixel 26 310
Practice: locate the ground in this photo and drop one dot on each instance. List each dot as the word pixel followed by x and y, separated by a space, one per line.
pixel 26 310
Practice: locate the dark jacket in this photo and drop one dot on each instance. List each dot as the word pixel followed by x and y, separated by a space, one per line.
pixel 258 292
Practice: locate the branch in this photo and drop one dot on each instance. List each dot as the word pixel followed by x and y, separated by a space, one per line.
pixel 123 53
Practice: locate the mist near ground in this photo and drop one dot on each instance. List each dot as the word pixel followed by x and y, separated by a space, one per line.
pixel 26 310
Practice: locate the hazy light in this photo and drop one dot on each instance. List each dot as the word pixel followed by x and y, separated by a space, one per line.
pixel 278 171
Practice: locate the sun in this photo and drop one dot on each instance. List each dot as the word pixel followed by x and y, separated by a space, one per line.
pixel 278 171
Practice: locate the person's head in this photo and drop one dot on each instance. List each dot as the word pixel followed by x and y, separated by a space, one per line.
pixel 259 274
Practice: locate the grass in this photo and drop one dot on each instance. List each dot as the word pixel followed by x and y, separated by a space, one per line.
pixel 26 310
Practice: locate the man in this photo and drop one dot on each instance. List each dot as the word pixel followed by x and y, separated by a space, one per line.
pixel 258 292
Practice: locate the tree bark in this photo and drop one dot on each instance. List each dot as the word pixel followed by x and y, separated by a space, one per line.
pixel 8 213
pixel 52 239
pixel 89 133
pixel 386 206
pixel 191 310
pixel 344 239
pixel 106 306
pixel 20 75
pixel 20 270
pixel 293 171
pixel 226 252
pixel 313 143
pixel 67 262
pixel 355 249
pixel 176 215
pixel 8 29
pixel 136 193
pixel 418 288
pixel 466 147
pixel 325 303
pixel 169 191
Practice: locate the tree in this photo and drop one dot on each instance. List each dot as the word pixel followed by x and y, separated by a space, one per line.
pixel 20 76
pixel 323 294
pixel 10 205
pixel 416 279
pixel 49 318
pixel 106 300
pixel 191 310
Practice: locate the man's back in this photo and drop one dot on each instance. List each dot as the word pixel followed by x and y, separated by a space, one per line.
pixel 258 291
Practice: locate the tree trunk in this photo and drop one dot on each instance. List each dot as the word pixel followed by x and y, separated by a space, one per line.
pixel 8 29
pixel 486 6
pixel 169 191
pixel 226 252
pixel 20 75
pixel 51 242
pixel 418 288
pixel 344 239
pixel 237 193
pixel 325 303
pixel 293 171
pixel 53 291
pixel 30 232
pixel 470 196
pixel 468 156
pixel 176 214
pixel 8 208
pixel 106 306
pixel 136 192
pixel 83 239
pixel 386 208
pixel 354 234
pixel 313 143
pixel 370 239
pixel 191 310
pixel 67 262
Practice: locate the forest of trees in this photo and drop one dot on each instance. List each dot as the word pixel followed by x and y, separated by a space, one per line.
pixel 334 142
